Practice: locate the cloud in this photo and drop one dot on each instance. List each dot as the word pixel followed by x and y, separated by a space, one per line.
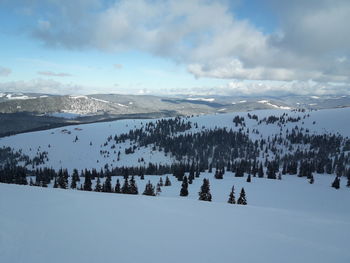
pixel 40 86
pixel 311 40
pixel 118 66
pixel 4 72
pixel 53 74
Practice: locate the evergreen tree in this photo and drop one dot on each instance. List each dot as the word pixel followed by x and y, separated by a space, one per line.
pixel 55 185
pixel 167 181
pixel 231 199
pixel 184 187
pixel 160 181
pixel 133 187
pixel 311 179
pixel 249 178
pixel 125 187
pixel 117 187
pixel 98 187
pixel 87 182
pixel 149 189
pixel 107 185
pixel 242 200
pixel 204 194
pixel 75 179
pixel 336 183
pixel 158 189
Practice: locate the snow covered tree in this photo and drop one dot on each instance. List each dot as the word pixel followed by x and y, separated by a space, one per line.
pixel 158 189
pixel 231 199
pixel 242 200
pixel 204 194
pixel 160 181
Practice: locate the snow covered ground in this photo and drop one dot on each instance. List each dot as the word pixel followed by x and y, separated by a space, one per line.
pixel 285 221
pixel 64 152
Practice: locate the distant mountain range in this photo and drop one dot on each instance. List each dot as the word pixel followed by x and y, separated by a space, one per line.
pixel 21 112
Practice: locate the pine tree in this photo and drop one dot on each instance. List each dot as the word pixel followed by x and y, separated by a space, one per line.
pixel 158 189
pixel 125 187
pixel 98 187
pixel 160 181
pixel 184 187
pixel 336 183
pixel 311 179
pixel 133 187
pixel 231 199
pixel 204 194
pixel 149 189
pixel 75 179
pixel 87 182
pixel 249 178
pixel 107 186
pixel 117 187
pixel 55 185
pixel 167 181
pixel 242 200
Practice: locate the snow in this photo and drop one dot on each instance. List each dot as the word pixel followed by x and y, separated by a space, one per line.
pixel 65 115
pixel 273 105
pixel 63 152
pixel 285 221
pixel 202 99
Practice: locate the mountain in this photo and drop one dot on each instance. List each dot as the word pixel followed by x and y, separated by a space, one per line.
pixel 23 112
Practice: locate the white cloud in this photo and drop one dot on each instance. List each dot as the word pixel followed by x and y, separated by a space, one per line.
pixel 4 72
pixel 40 86
pixel 54 74
pixel 311 42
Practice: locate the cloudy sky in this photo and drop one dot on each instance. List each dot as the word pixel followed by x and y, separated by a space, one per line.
pixel 237 47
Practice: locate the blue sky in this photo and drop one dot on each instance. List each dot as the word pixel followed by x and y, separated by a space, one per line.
pixel 243 47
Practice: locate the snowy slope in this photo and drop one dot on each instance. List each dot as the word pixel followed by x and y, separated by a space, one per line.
pixel 53 225
pixel 64 152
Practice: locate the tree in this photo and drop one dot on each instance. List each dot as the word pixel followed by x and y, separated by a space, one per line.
pixel 311 179
pixel 158 189
pixel 87 182
pixel 184 187
pixel 125 187
pixel 107 186
pixel 75 179
pixel 242 200
pixel 117 187
pixel 167 181
pixel 160 181
pixel 98 187
pixel 249 178
pixel 231 199
pixel 204 194
pixel 336 183
pixel 133 187
pixel 149 189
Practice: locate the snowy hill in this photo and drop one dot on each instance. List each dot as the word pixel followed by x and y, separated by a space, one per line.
pixel 53 225
pixel 64 152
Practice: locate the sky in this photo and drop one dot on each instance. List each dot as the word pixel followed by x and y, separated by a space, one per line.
pixel 194 47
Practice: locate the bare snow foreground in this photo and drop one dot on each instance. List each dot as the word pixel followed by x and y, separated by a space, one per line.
pixel 53 225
